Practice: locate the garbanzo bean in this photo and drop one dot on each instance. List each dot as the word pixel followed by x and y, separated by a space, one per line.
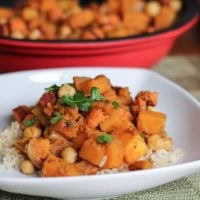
pixel 32 132
pixel 27 167
pixel 69 155
pixel 152 8
pixel 66 90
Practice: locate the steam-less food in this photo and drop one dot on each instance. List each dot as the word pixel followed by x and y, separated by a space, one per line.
pixel 91 127
pixel 67 20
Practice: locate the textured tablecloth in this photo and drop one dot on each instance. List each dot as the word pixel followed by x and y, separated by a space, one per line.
pixel 186 72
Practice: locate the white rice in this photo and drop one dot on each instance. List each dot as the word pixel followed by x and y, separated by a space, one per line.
pixel 163 158
pixel 9 155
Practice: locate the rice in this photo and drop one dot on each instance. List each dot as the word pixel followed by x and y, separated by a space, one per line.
pixel 163 158
pixel 9 155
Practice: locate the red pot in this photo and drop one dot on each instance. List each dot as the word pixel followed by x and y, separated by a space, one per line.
pixel 141 51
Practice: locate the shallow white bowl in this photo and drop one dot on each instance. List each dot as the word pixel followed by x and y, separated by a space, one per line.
pixel 183 125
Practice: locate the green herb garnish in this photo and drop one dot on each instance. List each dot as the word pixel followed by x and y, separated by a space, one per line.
pixel 56 118
pixel 29 122
pixel 52 88
pixel 104 138
pixel 115 104
pixel 84 103
pixel 95 94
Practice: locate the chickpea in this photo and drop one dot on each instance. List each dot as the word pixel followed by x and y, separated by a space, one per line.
pixel 175 5
pixel 156 142
pixel 27 167
pixel 32 132
pixel 66 90
pixel 69 155
pixel 152 8
pixel 35 34
pixel 17 35
pixel 64 32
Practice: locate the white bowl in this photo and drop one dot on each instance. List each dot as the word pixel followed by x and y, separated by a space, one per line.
pixel 183 125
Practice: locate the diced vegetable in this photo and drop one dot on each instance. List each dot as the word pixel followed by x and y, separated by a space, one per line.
pixel 92 151
pixel 151 122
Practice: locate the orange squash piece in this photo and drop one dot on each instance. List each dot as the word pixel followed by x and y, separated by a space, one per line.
pixel 101 82
pixel 134 149
pixel 114 153
pixel 55 167
pixel 142 164
pixel 92 151
pixel 151 122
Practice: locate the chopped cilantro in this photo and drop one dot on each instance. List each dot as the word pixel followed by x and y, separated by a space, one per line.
pixel 115 104
pixel 52 88
pixel 56 118
pixel 104 138
pixel 29 122
pixel 84 103
pixel 95 94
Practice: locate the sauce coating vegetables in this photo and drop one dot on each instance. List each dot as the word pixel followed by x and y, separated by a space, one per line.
pixel 67 20
pixel 90 126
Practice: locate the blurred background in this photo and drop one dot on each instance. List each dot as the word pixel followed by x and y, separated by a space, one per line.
pixel 188 44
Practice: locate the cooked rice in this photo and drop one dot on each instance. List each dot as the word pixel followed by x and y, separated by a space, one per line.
pixel 9 155
pixel 163 158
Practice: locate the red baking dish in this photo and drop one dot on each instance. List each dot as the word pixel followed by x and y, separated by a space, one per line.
pixel 141 51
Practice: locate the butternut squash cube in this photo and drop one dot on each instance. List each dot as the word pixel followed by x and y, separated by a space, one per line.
pixel 101 82
pixel 151 122
pixel 135 148
pixel 114 153
pixel 92 151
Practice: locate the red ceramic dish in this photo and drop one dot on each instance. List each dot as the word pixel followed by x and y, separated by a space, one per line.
pixel 141 51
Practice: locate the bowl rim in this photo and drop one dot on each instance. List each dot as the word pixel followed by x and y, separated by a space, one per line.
pixel 186 19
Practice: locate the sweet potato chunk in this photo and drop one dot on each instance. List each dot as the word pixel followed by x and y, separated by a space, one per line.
pixel 38 149
pixel 58 143
pixel 66 129
pixel 165 18
pixel 55 167
pixel 81 19
pixel 114 153
pixel 137 21
pixel 134 149
pixel 95 117
pixel 78 81
pixel 119 119
pixel 5 13
pixel 139 165
pixel 92 151
pixel 151 122
pixel 79 140
pixel 101 82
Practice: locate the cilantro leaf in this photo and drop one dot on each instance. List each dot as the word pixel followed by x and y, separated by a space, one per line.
pixel 52 88
pixel 29 122
pixel 68 100
pixel 56 118
pixel 115 104
pixel 84 103
pixel 95 94
pixel 104 138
